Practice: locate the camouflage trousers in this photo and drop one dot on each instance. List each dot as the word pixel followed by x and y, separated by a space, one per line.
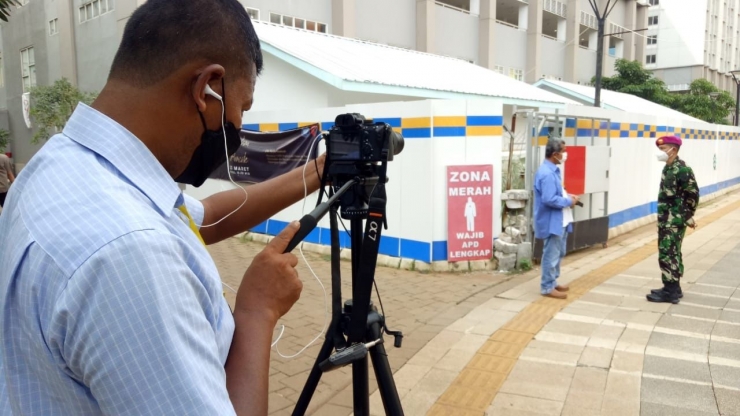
pixel 669 253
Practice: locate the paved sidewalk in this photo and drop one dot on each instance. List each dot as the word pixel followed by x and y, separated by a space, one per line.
pixel 486 343
pixel 604 351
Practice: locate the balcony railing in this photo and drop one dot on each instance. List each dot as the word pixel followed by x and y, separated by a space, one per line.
pixel 448 6
pixel 501 22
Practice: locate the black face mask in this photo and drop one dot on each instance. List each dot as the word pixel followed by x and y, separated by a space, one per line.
pixel 210 154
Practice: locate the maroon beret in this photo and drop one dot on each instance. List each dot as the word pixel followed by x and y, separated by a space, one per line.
pixel 668 140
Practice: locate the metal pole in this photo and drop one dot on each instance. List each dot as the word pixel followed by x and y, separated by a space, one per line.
pixel 599 62
pixel 737 100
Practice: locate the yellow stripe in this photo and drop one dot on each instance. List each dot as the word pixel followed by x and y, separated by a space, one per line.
pixel 570 131
pixel 397 129
pixel 450 121
pixel 191 223
pixel 624 126
pixel 304 124
pixel 269 127
pixel 584 124
pixel 633 134
pixel 484 131
pixel 416 122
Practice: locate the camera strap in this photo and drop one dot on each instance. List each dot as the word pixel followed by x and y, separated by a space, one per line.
pixel 366 270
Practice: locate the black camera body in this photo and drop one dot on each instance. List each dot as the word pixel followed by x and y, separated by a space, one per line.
pixel 355 139
pixel 359 149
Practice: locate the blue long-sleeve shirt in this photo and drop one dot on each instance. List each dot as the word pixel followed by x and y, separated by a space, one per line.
pixel 549 201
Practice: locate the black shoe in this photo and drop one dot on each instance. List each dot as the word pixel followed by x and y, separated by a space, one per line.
pixel 663 296
pixel 655 291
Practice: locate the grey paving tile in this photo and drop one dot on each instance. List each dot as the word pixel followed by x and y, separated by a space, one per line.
pixel 726 376
pixel 681 369
pixel 681 395
pixel 726 330
pixel 729 316
pixel 704 300
pixel 733 304
pixel 570 328
pixel 685 324
pixel 724 350
pixel 696 312
pixel 596 357
pixel 711 290
pixel 654 409
pixel 728 401
pixel 679 343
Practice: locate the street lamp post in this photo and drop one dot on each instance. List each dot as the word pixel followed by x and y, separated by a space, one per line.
pixel 737 95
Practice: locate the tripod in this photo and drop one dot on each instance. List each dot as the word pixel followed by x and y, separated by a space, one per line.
pixel 358 319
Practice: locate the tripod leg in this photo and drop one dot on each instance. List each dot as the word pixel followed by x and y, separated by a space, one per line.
pixel 383 374
pixel 313 378
pixel 361 388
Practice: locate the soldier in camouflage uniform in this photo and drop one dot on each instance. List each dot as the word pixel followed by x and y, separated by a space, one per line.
pixel 677 201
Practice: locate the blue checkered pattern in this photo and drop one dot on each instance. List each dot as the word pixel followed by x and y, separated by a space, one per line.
pixel 109 304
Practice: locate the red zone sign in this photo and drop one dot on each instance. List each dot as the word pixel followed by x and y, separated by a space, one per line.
pixel 469 213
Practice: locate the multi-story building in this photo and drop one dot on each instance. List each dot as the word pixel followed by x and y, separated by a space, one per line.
pixel 688 40
pixel 525 39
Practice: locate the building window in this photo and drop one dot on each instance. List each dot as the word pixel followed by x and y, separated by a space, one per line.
pixel 517 74
pixel 53 29
pixel 28 68
pixel 499 69
pixel 296 22
pixel 652 20
pixel 650 59
pixel 95 8
pixel 652 40
pixel 654 2
pixel 254 14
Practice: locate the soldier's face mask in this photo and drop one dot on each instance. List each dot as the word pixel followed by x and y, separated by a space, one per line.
pixel 662 155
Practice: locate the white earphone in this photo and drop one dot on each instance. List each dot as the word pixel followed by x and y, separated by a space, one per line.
pixel 209 91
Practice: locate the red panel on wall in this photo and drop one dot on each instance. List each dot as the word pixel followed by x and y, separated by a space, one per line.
pixel 575 170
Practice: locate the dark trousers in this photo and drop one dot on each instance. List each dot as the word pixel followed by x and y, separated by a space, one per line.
pixel 2 198
pixel 669 253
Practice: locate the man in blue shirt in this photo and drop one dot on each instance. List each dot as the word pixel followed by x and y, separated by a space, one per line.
pixel 109 302
pixel 549 203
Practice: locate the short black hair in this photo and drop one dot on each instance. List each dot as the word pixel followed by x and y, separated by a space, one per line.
pixel 163 35
pixel 554 145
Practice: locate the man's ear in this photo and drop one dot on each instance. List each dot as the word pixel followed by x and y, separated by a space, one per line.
pixel 210 75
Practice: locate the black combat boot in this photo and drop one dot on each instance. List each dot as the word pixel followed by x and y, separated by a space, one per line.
pixel 669 293
pixel 680 292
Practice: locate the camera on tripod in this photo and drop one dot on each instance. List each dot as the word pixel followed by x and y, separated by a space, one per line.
pixel 357 155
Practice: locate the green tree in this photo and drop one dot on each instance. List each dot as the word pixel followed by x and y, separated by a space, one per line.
pixel 632 78
pixel 703 101
pixel 4 134
pixel 5 8
pixel 706 102
pixel 52 105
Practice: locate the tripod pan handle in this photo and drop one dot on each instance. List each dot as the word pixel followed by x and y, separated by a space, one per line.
pixel 308 223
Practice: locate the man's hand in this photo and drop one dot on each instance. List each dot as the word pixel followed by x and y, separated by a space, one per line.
pixel 574 200
pixel 271 285
pixel 315 169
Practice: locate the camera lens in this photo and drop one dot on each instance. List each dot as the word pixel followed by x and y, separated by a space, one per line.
pixel 396 142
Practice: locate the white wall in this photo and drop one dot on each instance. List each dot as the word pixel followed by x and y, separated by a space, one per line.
pixel 635 171
pixel 417 204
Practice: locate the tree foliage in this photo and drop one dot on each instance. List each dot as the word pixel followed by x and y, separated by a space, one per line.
pixel 4 134
pixel 52 105
pixel 5 8
pixel 703 100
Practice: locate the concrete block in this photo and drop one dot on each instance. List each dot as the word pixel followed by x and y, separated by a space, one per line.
pixel 515 195
pixel 261 238
pixel 459 266
pixel 421 266
pixel 441 266
pixel 311 247
pixel 393 262
pixel 524 252
pixel 345 254
pixel 506 262
pixel 515 204
pixel 480 265
pixel 506 238
pixel 504 247
pixel 407 264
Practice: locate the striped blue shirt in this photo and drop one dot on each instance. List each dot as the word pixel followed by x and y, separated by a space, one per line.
pixel 109 303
